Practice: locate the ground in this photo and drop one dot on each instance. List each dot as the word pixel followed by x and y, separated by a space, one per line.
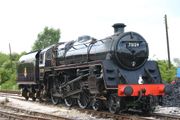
pixel 48 108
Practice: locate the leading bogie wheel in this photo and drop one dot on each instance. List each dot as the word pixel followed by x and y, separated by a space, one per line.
pixel 113 104
pixel 97 105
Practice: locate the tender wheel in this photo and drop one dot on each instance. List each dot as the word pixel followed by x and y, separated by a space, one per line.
pixel 42 95
pixel 27 98
pixel 55 100
pixel 97 105
pixel 69 101
pixel 25 94
pixel 33 98
pixel 113 103
pixel 83 100
pixel 38 95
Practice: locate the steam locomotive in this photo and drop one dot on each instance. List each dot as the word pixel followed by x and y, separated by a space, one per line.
pixel 113 72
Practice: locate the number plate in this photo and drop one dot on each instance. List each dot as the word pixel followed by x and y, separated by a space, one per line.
pixel 132 44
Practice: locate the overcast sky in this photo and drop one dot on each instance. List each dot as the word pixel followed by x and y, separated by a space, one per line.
pixel 22 20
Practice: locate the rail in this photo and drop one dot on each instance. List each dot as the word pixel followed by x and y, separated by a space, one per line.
pixel 103 114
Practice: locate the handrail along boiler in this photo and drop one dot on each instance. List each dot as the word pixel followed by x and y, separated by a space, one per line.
pixel 114 72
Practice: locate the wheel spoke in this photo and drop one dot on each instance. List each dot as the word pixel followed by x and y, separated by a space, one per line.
pixel 97 105
pixel 55 100
pixel 113 106
pixel 68 101
pixel 83 100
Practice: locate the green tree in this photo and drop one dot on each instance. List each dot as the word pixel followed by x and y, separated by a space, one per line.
pixel 3 58
pixel 46 38
pixel 167 74
pixel 8 70
pixel 15 56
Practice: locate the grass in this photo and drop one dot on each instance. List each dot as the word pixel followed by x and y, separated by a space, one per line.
pixel 9 85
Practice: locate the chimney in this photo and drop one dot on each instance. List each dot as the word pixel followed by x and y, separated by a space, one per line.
pixel 119 27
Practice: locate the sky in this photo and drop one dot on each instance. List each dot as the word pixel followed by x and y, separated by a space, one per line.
pixel 22 20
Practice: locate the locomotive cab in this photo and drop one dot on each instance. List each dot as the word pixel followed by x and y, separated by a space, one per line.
pixel 46 60
pixel 46 56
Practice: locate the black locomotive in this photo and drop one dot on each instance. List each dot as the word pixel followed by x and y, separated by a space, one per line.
pixel 114 72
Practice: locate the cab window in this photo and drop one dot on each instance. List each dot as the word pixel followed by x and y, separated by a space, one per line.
pixel 41 59
pixel 48 55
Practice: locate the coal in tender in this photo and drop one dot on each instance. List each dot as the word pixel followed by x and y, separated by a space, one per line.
pixel 173 100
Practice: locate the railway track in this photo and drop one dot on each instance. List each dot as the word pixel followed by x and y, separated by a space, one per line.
pixel 22 114
pixel 16 116
pixel 98 114
pixel 12 92
pixel 166 116
pixel 9 112
pixel 131 116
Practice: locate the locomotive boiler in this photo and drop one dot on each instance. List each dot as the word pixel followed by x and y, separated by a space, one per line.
pixel 114 72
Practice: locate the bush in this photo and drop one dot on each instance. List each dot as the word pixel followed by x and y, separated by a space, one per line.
pixel 8 71
pixel 167 74
pixel 9 85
